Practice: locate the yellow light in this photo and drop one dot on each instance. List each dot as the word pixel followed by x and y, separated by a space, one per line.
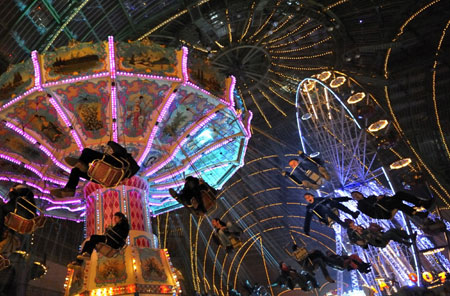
pixel 400 163
pixel 338 81
pixel 358 97
pixel 324 75
pixel 309 86
pixel 377 126
pixel 433 251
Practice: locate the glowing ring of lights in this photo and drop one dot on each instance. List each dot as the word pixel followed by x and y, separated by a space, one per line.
pixel 400 163
pixel 338 81
pixel 309 86
pixel 324 76
pixel 377 126
pixel 358 97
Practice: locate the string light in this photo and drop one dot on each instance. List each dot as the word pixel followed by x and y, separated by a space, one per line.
pixel 290 33
pixel 266 21
pixel 259 109
pixel 301 48
pixel 249 21
pixel 296 40
pixel 303 57
pixel 272 103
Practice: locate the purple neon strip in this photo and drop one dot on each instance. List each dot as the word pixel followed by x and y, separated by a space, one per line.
pixel 162 203
pixel 65 218
pixel 114 111
pixel 3 199
pixel 155 127
pixel 34 141
pixel 147 76
pixel 16 99
pixel 159 196
pixel 56 202
pixel 112 60
pixel 192 132
pixel 10 159
pixel 112 71
pixel 184 69
pixel 250 116
pixel 66 208
pixel 37 70
pixel 231 90
pixel 67 123
pixel 168 186
pixel 80 78
pixel 83 214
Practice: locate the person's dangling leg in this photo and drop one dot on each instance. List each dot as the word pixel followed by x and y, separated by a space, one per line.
pixel 69 189
pixel 317 257
pixel 344 209
pixel 335 218
pixel 396 235
pixel 90 244
pixel 405 196
pixel 88 155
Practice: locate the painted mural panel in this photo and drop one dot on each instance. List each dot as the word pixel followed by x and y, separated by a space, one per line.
pixel 139 101
pixel 110 270
pixel 38 115
pixel 18 79
pixel 88 102
pixel 147 58
pixel 75 60
pixel 152 265
pixel 205 75
pixel 14 143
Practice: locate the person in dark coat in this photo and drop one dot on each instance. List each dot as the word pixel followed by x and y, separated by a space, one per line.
pixel 290 277
pixel 21 200
pixel 192 189
pixel 375 236
pixel 345 262
pixel 323 209
pixel 80 166
pixel 114 237
pixel 306 169
pixel 382 206
pixel 225 233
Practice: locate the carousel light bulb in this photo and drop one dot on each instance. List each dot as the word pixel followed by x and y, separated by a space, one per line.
pixel 337 82
pixel 324 75
pixel 377 126
pixel 353 99
pixel 400 163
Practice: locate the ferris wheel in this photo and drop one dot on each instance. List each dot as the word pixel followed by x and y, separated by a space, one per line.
pixel 345 125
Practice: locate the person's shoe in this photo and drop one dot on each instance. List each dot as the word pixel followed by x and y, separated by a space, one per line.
pixel 84 256
pixel 355 214
pixel 71 161
pixel 74 265
pixel 422 215
pixel 330 279
pixel 173 193
pixel 63 192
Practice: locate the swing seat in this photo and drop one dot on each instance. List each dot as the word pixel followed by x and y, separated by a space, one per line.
pixel 300 254
pixel 107 250
pixel 4 262
pixel 236 243
pixel 209 202
pixel 106 174
pixel 22 225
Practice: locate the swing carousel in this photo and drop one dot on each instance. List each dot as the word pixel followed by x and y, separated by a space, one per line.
pixel 175 115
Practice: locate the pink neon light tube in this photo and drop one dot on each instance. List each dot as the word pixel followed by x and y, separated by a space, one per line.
pixel 67 122
pixel 184 69
pixel 156 126
pixel 34 141
pixel 147 76
pixel 37 70
pixel 16 99
pixel 112 70
pixel 56 202
pixel 231 90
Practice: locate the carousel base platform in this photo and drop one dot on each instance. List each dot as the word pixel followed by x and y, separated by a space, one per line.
pixel 132 271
